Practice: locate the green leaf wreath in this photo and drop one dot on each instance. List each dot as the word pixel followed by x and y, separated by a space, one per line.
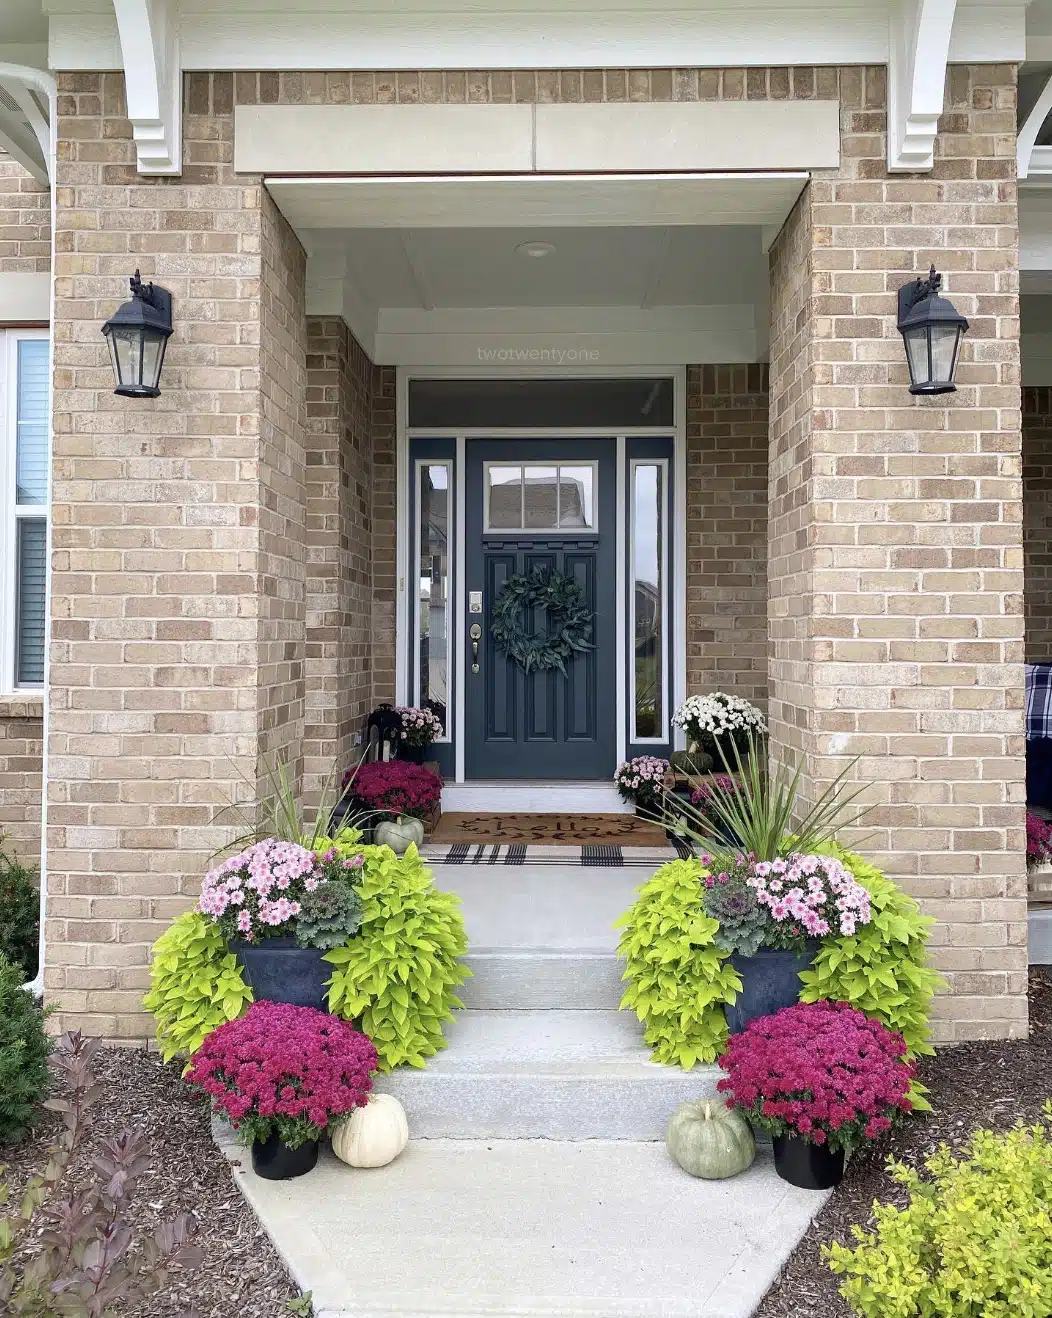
pixel 569 620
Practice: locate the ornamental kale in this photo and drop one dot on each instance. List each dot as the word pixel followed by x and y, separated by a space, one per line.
pixel 395 787
pixel 729 899
pixel 821 1070
pixel 258 892
pixel 331 912
pixel 284 1070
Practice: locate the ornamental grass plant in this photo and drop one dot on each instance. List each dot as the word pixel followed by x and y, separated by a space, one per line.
pixel 285 1071
pixel 820 1071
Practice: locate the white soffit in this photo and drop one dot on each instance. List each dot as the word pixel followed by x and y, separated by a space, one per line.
pixel 539 200
pixel 490 139
pixel 25 298
pixel 501 34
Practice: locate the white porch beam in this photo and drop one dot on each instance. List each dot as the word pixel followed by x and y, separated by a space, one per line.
pixel 26 131
pixel 1029 157
pixel 918 53
pixel 153 79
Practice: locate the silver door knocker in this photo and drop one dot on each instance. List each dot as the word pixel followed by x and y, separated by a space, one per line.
pixel 476 635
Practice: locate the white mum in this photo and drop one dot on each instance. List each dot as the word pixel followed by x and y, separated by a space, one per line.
pixel 708 718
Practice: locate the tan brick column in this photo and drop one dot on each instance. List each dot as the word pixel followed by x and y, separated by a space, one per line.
pixel 178 610
pixel 895 539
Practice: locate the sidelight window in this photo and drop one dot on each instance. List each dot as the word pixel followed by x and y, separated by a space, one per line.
pixel 434 586
pixel 648 599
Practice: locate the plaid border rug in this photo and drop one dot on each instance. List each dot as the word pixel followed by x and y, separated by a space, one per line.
pixel 471 853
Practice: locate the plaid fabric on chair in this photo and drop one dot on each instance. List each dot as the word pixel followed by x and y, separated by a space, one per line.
pixel 1038 701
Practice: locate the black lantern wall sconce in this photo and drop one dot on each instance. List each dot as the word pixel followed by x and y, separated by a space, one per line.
pixel 932 329
pixel 138 333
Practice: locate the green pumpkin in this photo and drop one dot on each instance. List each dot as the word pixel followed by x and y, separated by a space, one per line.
pixel 710 1140
pixel 399 834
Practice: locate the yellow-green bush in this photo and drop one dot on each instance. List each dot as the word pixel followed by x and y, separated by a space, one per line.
pixel 397 978
pixel 195 985
pixel 677 980
pixel 974 1241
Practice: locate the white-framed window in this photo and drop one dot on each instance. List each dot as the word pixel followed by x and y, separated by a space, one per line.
pixel 25 370
pixel 541 497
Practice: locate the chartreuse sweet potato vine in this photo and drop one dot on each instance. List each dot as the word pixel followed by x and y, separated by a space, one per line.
pixel 398 977
pixel 973 1241
pixel 678 983
pixel 195 985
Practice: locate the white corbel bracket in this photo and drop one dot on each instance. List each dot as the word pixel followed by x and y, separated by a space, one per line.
pixel 28 135
pixel 918 54
pixel 153 80
pixel 1026 146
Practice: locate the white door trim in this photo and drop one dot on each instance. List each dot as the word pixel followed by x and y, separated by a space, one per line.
pixel 403 609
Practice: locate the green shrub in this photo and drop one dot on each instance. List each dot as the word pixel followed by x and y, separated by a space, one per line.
pixel 398 978
pixel 19 915
pixel 882 968
pixel 24 1049
pixel 195 985
pixel 678 981
pixel 974 1240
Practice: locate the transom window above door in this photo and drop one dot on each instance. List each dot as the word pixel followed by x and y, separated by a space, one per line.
pixel 540 498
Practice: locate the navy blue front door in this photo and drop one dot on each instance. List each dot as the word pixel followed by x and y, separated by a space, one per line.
pixel 541 504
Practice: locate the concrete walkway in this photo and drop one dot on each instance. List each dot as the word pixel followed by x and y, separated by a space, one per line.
pixel 462 1229
pixel 537 1181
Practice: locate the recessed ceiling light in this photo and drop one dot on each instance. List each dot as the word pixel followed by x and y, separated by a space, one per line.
pixel 535 249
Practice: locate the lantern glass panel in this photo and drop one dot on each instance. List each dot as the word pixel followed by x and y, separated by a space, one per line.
pixel 917 354
pixel 944 340
pixel 126 349
pixel 153 345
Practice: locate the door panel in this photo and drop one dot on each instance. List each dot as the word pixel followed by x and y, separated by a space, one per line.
pixel 543 724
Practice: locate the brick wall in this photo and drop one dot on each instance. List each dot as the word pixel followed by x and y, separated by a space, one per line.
pixel 341 383
pixel 1037 522
pixel 384 554
pixel 896 559
pixel 727 423
pixel 25 220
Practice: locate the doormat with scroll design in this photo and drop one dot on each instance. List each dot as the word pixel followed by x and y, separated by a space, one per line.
pixel 550 830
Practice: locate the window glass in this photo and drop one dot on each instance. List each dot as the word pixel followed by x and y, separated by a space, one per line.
pixel 541 498
pixel 648 586
pixel 434 600
pixel 577 498
pixel 595 401
pixel 31 577
pixel 504 498
pixel 31 422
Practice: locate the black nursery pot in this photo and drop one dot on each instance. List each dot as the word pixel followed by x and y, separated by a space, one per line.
pixel 279 971
pixel 809 1166
pixel 412 754
pixel 275 1161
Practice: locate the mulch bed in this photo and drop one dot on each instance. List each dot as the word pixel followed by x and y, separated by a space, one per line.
pixel 241 1273
pixel 974 1084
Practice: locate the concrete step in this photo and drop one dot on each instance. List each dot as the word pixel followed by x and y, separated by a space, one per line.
pixel 559 1075
pixel 531 1229
pixel 542 979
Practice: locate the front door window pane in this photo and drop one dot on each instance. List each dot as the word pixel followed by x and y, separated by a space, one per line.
pixel 648 586
pixel 576 498
pixel 434 601
pixel 504 498
pixel 541 498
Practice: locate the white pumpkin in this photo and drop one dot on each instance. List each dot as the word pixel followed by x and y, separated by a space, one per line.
pixel 399 833
pixel 374 1135
pixel 710 1140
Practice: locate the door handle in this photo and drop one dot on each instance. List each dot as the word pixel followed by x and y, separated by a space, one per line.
pixel 475 632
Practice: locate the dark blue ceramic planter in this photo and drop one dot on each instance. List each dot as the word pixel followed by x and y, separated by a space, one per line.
pixel 770 981
pixel 278 970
